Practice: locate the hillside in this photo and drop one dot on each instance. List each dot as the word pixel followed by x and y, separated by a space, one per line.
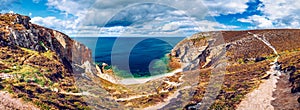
pixel 41 65
pixel 41 68
pixel 248 62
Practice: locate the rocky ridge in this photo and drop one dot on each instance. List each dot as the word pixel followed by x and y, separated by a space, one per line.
pixel 41 65
pixel 16 30
pixel 248 61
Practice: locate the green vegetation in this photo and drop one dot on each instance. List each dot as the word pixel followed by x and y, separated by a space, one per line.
pixel 160 66
pixel 241 61
pixel 121 73
pixel 6 71
pixel 43 45
pixel 35 78
pixel 199 38
pixel 108 67
pixel 49 54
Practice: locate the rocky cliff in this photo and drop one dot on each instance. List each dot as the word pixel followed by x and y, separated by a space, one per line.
pixel 41 65
pixel 248 60
pixel 16 30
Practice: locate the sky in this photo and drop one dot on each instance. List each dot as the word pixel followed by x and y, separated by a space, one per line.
pixel 95 18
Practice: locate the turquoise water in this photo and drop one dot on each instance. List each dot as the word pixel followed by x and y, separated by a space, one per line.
pixel 137 56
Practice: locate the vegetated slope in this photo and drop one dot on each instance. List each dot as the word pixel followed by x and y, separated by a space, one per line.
pixel 40 66
pixel 48 69
pixel 248 61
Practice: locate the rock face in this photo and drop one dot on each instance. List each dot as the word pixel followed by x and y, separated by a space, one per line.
pixel 18 31
pixel 248 60
pixel 41 66
pixel 199 51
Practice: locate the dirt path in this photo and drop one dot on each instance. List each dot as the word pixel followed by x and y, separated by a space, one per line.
pixel 167 100
pixel 261 98
pixel 145 95
pixel 7 102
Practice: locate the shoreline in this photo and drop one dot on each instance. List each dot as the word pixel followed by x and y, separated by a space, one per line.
pixel 130 81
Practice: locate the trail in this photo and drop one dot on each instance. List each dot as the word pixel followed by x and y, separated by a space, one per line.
pixel 263 39
pixel 260 98
pixel 7 102
pixel 168 99
pixel 146 95
pixel 133 97
pixel 77 94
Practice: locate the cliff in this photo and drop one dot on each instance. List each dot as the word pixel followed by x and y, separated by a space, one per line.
pixel 40 66
pixel 248 61
pixel 16 30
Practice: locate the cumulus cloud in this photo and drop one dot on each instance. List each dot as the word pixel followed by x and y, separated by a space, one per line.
pixel 225 7
pixel 139 17
pixel 259 21
pixel 276 14
pixel 66 26
pixel 53 22
pixel 94 9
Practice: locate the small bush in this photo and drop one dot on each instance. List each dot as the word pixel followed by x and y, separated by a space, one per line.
pixel 6 71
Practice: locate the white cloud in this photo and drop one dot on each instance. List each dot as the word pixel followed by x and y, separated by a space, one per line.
pixel 51 22
pixel 225 7
pixel 259 21
pixel 11 12
pixel 146 19
pixel 92 10
pixel 276 14
pixel 213 26
pixel 66 26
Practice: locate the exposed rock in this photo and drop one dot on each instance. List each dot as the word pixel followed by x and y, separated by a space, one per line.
pixel 41 39
pixel 255 55
pixel 37 63
pixel 200 50
pixel 258 59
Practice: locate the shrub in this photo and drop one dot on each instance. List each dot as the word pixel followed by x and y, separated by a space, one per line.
pixel 6 71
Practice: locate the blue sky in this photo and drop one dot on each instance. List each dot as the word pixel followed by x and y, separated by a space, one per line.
pixel 155 17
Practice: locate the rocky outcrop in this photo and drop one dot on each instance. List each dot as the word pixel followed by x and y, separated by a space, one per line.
pixel 248 59
pixel 199 51
pixel 17 30
pixel 41 66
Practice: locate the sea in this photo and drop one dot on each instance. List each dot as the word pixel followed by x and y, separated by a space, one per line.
pixel 132 56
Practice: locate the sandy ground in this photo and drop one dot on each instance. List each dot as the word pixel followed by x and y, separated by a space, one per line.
pixel 128 81
pixel 7 102
pixel 260 99
pixel 167 100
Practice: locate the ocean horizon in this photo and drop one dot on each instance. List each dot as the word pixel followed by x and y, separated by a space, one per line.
pixel 132 56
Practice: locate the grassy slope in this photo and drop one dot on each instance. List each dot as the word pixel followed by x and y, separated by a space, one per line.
pixel 35 76
pixel 244 75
